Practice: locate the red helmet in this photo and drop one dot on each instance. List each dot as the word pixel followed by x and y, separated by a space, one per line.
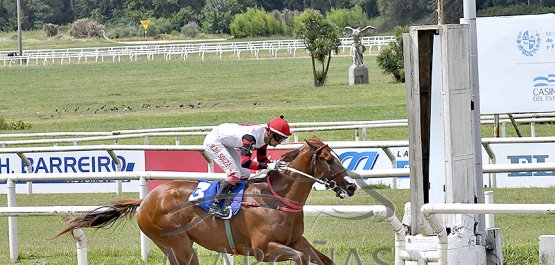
pixel 279 126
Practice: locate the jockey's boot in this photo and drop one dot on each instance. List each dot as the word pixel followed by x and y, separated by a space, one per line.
pixel 215 209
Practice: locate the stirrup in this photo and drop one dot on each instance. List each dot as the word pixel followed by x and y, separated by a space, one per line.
pixel 215 208
pixel 224 213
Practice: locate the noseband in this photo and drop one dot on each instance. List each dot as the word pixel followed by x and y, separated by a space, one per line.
pixel 330 182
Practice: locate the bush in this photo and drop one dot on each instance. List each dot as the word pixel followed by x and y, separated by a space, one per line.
pixel 254 23
pixel 63 28
pixel 152 31
pixel 355 17
pixel 286 18
pixel 124 31
pixel 83 28
pixel 19 125
pixel 192 29
pixel 181 18
pixel 162 24
pixel 50 29
pixel 390 59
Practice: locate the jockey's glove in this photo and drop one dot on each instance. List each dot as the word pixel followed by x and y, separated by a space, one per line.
pixel 277 165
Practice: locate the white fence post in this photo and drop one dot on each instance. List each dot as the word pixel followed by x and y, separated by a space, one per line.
pixel 145 241
pixel 12 222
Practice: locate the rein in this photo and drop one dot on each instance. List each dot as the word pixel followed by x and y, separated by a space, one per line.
pixel 328 182
pixel 292 207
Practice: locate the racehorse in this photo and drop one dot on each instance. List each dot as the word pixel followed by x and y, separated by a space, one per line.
pixel 269 225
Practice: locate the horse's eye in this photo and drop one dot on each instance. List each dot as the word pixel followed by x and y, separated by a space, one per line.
pixel 330 162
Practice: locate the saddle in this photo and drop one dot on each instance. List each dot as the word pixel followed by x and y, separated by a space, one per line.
pixel 203 195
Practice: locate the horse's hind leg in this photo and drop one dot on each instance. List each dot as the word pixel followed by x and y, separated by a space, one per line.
pixel 179 250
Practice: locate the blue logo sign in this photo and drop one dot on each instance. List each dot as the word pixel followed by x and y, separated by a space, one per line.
pixel 528 42
pixel 355 159
pixel 403 164
pixel 544 88
pixel 544 81
pixel 526 159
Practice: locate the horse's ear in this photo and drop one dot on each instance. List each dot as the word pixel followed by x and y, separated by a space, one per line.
pixel 290 156
pixel 313 141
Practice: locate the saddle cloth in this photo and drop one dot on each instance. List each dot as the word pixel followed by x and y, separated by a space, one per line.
pixel 203 195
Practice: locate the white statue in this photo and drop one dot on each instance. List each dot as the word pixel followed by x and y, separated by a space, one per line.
pixel 358 49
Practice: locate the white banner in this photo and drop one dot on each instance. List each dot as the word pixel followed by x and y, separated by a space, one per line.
pixel 516 63
pixel 73 162
pixel 523 154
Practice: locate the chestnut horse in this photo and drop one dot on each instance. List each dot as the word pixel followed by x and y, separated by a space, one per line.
pixel 269 225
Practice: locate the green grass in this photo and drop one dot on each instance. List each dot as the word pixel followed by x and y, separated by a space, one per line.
pixel 46 97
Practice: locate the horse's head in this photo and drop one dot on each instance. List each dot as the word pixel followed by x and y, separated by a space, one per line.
pixel 322 165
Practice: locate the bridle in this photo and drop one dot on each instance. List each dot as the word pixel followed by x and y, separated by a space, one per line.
pixel 329 182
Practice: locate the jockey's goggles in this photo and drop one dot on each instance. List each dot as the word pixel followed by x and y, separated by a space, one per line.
pixel 279 138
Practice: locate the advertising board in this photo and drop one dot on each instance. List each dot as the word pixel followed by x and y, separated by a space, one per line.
pixel 516 63
pixel 193 161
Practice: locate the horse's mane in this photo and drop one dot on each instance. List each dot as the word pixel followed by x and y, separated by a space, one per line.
pixel 312 141
pixel 291 155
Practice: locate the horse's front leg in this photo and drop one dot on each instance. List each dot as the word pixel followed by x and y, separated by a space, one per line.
pixel 302 252
pixel 276 252
pixel 310 251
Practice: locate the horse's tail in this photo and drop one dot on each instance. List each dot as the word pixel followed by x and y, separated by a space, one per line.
pixel 103 216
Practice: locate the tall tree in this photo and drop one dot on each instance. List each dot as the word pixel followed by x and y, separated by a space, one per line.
pixel 294 4
pixel 402 12
pixel 218 14
pixel 321 38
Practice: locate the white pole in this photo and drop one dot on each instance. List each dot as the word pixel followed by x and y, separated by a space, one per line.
pixel 490 221
pixel 533 129
pixel 145 241
pixel 81 242
pixel 469 10
pixel 117 161
pixel 12 222
pixel 493 176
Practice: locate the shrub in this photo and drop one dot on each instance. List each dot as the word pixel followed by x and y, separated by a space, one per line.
pixel 254 23
pixel 50 29
pixel 19 125
pixel 286 18
pixel 355 17
pixel 192 29
pixel 83 28
pixel 181 18
pixel 390 59
pixel 162 24
pixel 152 31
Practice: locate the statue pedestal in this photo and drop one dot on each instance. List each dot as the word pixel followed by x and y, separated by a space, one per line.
pixel 358 75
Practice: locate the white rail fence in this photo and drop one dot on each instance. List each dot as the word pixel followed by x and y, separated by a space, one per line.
pixel 360 129
pixel 400 253
pixel 429 212
pixel 182 50
pixel 190 131
pixel 143 177
pixel 81 241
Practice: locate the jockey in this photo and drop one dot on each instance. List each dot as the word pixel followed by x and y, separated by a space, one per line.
pixel 224 141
